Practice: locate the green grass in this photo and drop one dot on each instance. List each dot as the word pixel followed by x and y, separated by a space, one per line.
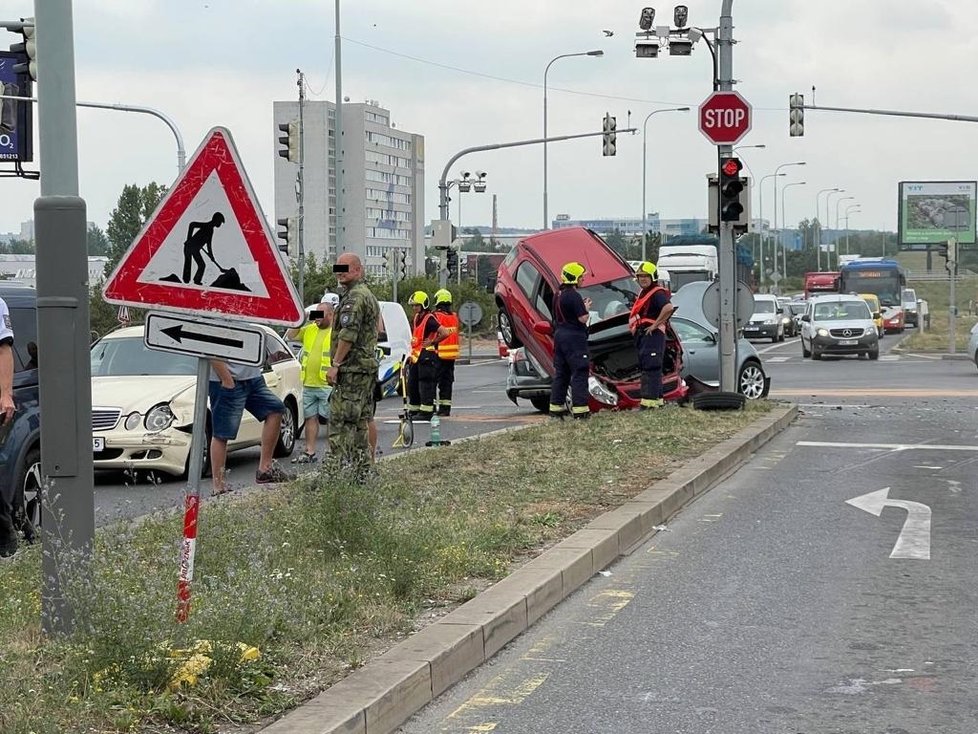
pixel 319 576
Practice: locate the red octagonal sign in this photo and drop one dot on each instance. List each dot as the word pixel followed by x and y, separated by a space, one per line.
pixel 725 118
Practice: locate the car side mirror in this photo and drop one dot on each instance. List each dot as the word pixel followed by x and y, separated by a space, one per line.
pixel 806 317
pixel 876 315
pixel 543 328
pixel 712 337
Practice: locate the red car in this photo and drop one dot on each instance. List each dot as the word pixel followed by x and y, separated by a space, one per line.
pixel 527 281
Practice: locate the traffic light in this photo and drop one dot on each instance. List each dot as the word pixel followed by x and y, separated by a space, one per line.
pixel 451 262
pixel 289 233
pixel 28 46
pixel 289 141
pixel 608 139
pixel 402 263
pixel 730 189
pixel 796 115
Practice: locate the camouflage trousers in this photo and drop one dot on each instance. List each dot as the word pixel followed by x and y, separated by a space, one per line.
pixel 351 405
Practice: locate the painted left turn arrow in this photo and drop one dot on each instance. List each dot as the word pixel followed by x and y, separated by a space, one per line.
pixel 178 334
pixel 914 540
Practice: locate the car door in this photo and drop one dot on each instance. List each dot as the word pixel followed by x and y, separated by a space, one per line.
pixel 806 328
pixel 701 357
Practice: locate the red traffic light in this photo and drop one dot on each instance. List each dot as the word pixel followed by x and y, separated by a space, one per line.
pixel 731 167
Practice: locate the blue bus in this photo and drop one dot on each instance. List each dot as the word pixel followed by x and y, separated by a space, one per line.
pixel 883 278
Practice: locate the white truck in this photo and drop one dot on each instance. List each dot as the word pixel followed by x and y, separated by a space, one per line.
pixel 688 264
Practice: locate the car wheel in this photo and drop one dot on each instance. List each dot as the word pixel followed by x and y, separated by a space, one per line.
pixel 874 353
pixel 506 329
pixel 751 381
pixel 286 434
pixel 804 352
pixel 781 336
pixel 815 353
pixel 27 496
pixel 719 401
pixel 540 403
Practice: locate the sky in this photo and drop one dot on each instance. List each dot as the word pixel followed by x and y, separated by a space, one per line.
pixel 465 73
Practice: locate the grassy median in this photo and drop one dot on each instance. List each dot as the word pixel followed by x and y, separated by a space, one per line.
pixel 297 586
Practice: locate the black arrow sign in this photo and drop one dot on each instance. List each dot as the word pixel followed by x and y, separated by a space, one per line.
pixel 178 335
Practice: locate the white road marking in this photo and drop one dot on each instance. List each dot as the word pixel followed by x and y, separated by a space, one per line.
pixel 777 359
pixel 887 446
pixel 914 540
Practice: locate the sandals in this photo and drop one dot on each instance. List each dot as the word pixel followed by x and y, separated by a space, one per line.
pixel 219 492
pixel 304 458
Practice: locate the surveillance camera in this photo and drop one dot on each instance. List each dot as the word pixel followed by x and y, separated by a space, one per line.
pixel 480 174
pixel 646 49
pixel 680 47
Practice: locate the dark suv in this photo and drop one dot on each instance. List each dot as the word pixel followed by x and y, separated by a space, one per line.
pixel 20 439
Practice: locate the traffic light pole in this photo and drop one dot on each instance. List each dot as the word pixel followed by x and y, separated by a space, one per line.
pixel 300 189
pixel 728 270
pixel 443 183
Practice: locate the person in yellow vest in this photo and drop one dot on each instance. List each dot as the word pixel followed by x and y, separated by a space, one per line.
pixel 447 350
pixel 422 376
pixel 647 322
pixel 314 357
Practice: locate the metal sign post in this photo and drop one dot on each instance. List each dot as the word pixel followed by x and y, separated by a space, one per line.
pixel 470 314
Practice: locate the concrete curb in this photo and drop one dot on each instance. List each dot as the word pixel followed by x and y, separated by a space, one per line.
pixel 382 695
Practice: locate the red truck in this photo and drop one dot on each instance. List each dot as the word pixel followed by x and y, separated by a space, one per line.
pixel 821 282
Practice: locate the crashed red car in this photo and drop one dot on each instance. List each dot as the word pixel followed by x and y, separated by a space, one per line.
pixel 527 281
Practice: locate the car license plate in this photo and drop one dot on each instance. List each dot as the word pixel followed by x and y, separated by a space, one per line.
pixel 98 443
pixel 848 342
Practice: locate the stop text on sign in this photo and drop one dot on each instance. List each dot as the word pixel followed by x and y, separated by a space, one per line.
pixel 724 118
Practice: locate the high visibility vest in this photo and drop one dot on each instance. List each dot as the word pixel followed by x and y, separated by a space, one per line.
pixel 308 340
pixel 448 347
pixel 417 336
pixel 636 320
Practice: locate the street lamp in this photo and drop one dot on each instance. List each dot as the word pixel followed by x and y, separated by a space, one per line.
pixel 465 184
pixel 744 160
pixel 837 202
pixel 784 221
pixel 760 205
pixel 851 207
pixel 645 208
pixel 818 241
pixel 828 257
pixel 783 165
pixel 596 52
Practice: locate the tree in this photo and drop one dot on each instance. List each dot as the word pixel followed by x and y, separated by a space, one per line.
pixel 21 247
pixel 616 241
pixel 98 243
pixel 136 205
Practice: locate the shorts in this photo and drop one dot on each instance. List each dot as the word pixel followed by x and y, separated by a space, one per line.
pixel 228 405
pixel 315 401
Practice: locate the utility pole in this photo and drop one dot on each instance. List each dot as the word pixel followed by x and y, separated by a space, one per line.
pixel 300 191
pixel 340 239
pixel 65 379
pixel 728 271
pixel 952 267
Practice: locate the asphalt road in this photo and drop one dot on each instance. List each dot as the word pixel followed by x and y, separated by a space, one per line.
pixel 780 601
pixel 480 405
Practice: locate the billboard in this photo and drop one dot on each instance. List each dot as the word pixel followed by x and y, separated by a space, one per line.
pixel 932 212
pixel 16 118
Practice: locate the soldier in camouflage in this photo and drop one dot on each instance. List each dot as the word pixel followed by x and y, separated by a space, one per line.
pixel 354 364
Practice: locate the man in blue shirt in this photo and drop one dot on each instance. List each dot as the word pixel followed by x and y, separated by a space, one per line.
pixel 572 363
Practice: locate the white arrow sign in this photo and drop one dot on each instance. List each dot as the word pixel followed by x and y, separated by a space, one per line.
pixel 914 540
pixel 242 343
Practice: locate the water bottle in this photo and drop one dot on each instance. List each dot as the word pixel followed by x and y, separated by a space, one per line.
pixel 435 430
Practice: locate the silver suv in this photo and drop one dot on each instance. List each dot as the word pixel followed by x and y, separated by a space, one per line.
pixel 838 325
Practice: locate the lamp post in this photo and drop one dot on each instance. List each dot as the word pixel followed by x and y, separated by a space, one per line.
pixel 818 242
pixel 837 202
pixel 784 221
pixel 828 256
pixel 645 208
pixel 759 146
pixel 776 230
pixel 851 207
pixel 596 52
pixel 760 205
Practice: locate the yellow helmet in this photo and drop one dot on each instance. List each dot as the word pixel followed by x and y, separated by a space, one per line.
pixel 646 268
pixel 443 295
pixel 571 273
pixel 419 298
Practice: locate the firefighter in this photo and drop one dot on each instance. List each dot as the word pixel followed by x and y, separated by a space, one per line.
pixel 447 351
pixel 423 371
pixel 572 363
pixel 647 322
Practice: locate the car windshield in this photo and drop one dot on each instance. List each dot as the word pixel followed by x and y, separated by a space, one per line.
pixel 129 356
pixel 842 311
pixel 796 308
pixel 611 299
pixel 763 306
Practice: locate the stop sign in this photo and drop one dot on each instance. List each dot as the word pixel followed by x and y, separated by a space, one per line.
pixel 725 118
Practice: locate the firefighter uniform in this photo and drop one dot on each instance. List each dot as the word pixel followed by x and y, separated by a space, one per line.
pixel 423 369
pixel 572 363
pixel 447 350
pixel 649 331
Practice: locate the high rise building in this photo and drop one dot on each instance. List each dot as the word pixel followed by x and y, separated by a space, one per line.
pixel 382 178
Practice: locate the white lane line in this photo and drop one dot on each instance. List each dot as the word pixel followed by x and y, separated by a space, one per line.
pixel 777 359
pixel 887 446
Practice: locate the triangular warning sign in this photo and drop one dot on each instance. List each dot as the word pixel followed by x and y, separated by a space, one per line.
pixel 208 249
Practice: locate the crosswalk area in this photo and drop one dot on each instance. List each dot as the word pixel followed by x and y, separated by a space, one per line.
pixel 910 358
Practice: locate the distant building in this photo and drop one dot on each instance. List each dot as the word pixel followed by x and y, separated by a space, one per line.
pixel 383 180
pixel 632 226
pixel 23 269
